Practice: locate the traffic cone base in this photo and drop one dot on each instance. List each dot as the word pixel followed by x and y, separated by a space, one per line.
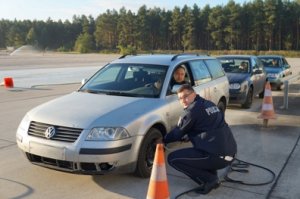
pixel 158 187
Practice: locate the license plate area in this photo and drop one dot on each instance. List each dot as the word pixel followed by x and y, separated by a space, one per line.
pixel 47 151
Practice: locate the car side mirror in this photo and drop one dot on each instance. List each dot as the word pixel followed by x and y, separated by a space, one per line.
pixel 83 81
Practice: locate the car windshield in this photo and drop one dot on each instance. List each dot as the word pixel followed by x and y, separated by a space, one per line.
pixel 133 80
pixel 235 65
pixel 270 61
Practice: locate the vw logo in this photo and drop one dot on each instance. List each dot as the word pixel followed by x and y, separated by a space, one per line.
pixel 50 132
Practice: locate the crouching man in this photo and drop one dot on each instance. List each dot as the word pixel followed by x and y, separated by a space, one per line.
pixel 213 145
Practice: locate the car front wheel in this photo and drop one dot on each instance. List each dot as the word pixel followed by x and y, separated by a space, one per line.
pixel 147 152
pixel 221 105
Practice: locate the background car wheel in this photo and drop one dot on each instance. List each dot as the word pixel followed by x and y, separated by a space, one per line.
pixel 262 94
pixel 221 105
pixel 249 98
pixel 278 87
pixel 147 152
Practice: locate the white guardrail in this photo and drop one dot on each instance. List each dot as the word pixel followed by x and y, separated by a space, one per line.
pixel 286 83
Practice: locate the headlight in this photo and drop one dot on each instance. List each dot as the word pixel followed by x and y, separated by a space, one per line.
pixel 107 134
pixel 235 86
pixel 239 86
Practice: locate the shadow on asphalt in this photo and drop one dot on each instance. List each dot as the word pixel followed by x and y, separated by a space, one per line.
pixel 27 189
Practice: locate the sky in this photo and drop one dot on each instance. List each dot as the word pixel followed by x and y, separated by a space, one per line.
pixel 65 9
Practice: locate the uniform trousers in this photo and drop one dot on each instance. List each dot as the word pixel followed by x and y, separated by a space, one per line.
pixel 199 165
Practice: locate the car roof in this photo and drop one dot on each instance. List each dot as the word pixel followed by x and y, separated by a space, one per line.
pixel 236 56
pixel 159 59
pixel 270 56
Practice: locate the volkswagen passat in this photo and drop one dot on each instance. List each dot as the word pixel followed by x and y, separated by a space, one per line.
pixel 112 122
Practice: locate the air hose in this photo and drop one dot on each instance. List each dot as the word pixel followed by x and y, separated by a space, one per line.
pixel 239 166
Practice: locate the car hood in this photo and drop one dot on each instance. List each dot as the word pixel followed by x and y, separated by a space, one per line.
pixel 237 77
pixel 86 110
pixel 273 69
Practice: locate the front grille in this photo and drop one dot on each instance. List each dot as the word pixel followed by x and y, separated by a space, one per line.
pixel 65 134
pixel 76 167
pixel 43 161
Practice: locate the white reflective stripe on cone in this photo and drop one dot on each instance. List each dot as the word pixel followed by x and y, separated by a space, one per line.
pixel 159 173
pixel 268 93
pixel 267 107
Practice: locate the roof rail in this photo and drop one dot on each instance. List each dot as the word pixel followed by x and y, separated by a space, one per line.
pixel 123 56
pixel 183 54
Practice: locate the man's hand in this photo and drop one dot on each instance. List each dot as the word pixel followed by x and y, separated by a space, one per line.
pixel 185 138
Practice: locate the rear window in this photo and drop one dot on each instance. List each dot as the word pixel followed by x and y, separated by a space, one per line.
pixel 215 68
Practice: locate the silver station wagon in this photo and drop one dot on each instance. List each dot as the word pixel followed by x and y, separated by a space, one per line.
pixel 112 122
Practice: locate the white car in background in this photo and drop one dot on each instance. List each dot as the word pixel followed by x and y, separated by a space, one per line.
pixel 112 122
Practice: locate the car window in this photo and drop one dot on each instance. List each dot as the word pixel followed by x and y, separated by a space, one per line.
pixel 200 72
pixel 215 68
pixel 108 74
pixel 284 61
pixel 235 65
pixel 270 61
pixel 128 80
pixel 254 64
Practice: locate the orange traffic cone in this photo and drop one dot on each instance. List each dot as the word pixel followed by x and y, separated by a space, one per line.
pixel 267 109
pixel 158 186
pixel 8 82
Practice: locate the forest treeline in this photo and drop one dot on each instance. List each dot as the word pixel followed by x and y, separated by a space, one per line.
pixel 256 25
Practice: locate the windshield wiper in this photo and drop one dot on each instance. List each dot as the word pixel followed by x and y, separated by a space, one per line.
pixel 90 91
pixel 119 93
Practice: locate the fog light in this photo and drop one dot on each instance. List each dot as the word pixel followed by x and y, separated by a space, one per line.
pixel 105 166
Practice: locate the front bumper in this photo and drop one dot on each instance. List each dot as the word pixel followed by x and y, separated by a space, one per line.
pixel 237 97
pixel 275 81
pixel 88 157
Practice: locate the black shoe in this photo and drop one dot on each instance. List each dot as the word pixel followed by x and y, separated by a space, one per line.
pixel 207 187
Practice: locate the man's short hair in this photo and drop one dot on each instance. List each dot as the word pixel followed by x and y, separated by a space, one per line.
pixel 185 87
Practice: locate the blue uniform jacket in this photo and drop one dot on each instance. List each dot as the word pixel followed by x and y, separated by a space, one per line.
pixel 205 127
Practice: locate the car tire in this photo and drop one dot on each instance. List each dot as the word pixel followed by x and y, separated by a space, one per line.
pixel 221 105
pixel 146 153
pixel 278 87
pixel 249 99
pixel 262 94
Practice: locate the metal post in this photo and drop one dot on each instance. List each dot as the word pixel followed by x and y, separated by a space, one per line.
pixel 286 83
pixel 286 95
